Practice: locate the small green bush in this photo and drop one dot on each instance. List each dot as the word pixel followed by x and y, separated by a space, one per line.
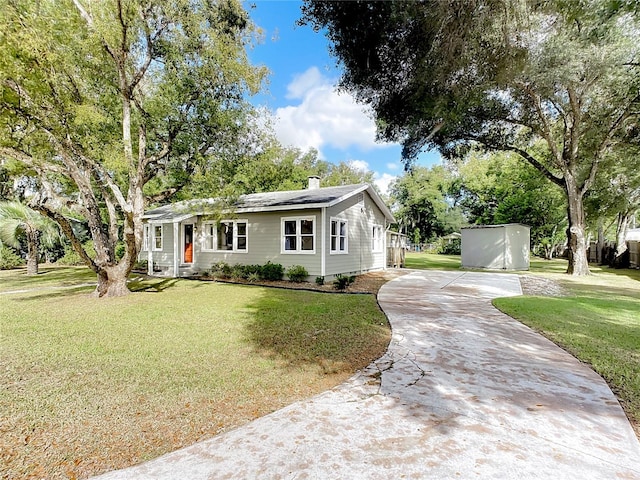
pixel 220 270
pixel 341 282
pixel 141 266
pixel 71 257
pixel 451 247
pixel 272 271
pixel 9 259
pixel 253 277
pixel 238 272
pixel 319 280
pixel 297 273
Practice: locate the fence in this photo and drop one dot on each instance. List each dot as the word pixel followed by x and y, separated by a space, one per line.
pixel 396 247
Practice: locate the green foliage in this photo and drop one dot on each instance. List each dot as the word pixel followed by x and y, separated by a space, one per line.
pixel 137 97
pixel 341 282
pixel 449 247
pixel 504 75
pixel 71 257
pixel 9 259
pixel 141 266
pixel 221 270
pixel 500 188
pixel 319 280
pixel 272 271
pixel 297 273
pixel 268 271
pixel 425 209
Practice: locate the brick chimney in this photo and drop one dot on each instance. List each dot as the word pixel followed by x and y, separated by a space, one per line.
pixel 314 182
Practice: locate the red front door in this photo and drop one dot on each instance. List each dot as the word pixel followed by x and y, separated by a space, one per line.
pixel 188 244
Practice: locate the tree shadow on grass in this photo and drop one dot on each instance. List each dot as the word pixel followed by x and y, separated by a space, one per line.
pixel 336 332
pixel 151 285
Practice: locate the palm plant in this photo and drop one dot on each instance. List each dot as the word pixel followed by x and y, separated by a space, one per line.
pixel 19 223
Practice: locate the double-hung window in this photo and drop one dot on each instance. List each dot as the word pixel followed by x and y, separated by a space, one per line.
pixel 298 234
pixel 376 238
pixel 339 236
pixel 145 237
pixel 157 237
pixel 228 235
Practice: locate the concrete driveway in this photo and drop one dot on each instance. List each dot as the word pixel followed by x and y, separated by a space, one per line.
pixel 463 392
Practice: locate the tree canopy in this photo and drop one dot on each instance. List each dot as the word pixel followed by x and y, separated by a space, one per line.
pixel 110 105
pixel 502 74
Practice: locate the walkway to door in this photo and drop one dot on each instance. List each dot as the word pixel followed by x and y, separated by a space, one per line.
pixel 463 392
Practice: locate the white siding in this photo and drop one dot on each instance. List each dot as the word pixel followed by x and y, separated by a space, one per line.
pixel 362 214
pixel 499 247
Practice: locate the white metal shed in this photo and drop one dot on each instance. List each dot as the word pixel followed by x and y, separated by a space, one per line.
pixel 496 247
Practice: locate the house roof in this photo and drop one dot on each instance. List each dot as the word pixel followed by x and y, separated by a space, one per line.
pixel 268 202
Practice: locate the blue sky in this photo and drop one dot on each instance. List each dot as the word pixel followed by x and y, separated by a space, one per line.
pixel 307 110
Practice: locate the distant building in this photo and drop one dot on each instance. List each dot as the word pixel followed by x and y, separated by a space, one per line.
pixel 496 247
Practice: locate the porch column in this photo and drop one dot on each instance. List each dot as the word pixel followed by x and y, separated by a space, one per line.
pixel 176 249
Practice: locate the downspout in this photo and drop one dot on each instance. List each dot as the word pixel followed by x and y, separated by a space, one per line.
pixel 323 242
pixel 384 244
pixel 150 244
pixel 176 249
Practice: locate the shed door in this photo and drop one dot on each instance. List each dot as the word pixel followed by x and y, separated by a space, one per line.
pixel 188 243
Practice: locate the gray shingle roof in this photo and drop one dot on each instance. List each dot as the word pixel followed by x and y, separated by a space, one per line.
pixel 269 201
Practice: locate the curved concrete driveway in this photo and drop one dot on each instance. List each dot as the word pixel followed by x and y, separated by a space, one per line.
pixel 463 392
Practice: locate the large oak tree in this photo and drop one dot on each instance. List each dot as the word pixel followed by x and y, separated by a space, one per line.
pixel 112 104
pixel 503 74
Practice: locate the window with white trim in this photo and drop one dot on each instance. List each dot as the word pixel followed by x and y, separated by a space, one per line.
pixel 145 237
pixel 157 237
pixel 228 235
pixel 376 238
pixel 298 234
pixel 339 237
pixel 209 237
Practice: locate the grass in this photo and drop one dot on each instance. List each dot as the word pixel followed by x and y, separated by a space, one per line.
pixel 93 385
pixel 433 261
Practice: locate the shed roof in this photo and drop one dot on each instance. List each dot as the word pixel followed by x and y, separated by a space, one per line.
pixel 495 226
pixel 633 234
pixel 267 202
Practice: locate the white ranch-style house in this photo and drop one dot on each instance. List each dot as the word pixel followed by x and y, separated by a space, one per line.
pixel 329 231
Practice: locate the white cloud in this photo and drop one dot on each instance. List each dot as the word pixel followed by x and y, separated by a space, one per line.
pixel 323 116
pixel 393 166
pixel 359 165
pixel 383 181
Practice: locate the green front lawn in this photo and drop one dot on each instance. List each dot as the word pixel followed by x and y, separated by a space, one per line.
pixel 92 385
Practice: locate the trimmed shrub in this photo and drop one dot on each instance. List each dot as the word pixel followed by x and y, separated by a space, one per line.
pixel 341 282
pixel 9 259
pixel 272 271
pixel 220 270
pixel 297 273
pixel 319 280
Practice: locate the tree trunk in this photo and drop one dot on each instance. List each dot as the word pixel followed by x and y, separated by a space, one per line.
pixel 112 282
pixel 600 245
pixel 32 251
pixel 621 235
pixel 577 242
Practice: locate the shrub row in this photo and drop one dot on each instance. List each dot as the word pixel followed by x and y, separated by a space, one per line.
pixel 268 271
